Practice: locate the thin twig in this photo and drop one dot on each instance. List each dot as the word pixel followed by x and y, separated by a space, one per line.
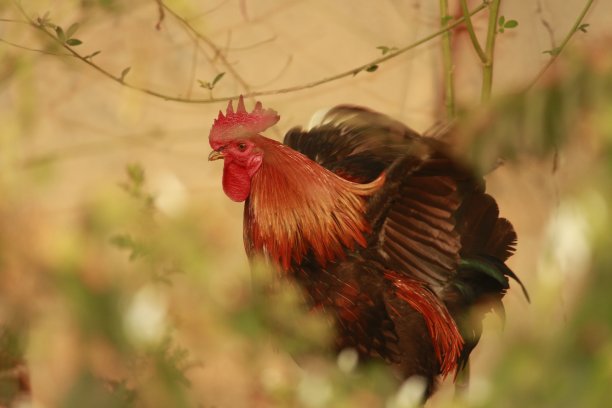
pixel 213 46
pixel 228 41
pixel 243 10
pixel 23 47
pixel 196 42
pixel 209 11
pixel 192 70
pixel 251 46
pixel 162 14
pixel 472 33
pixel 487 70
pixel 447 61
pixel 345 74
pixel 546 24
pixel 10 20
pixel 198 47
pixel 280 73
pixel 557 51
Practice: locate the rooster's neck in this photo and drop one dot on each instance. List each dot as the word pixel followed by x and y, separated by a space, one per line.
pixel 298 207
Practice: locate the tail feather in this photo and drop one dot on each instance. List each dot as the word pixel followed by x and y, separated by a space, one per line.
pixel 482 278
pixel 502 242
pixel 480 227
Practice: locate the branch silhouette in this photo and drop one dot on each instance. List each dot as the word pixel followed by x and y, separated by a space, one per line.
pixel 120 78
pixel 555 52
pixel 218 53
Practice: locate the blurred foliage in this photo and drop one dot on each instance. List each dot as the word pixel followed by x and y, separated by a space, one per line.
pixel 569 115
pixel 125 286
pixel 576 99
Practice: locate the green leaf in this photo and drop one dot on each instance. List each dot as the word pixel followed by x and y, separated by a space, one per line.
pixel 74 42
pixel 124 73
pixel 72 30
pixel 211 85
pixel 502 20
pixel 511 24
pixel 553 52
pixel 384 49
pixel 136 174
pixel 93 54
pixel 372 68
pixel 501 31
pixel 44 20
pixel 124 241
pixel 217 78
pixel 60 34
pixel 583 27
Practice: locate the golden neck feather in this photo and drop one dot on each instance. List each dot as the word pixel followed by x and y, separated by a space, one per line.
pixel 297 206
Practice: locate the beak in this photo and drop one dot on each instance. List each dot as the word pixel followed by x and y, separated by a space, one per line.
pixel 215 155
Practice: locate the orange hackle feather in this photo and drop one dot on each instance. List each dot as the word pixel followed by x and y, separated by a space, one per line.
pixel 445 336
pixel 297 206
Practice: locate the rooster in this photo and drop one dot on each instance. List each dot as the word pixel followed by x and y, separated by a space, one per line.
pixel 378 225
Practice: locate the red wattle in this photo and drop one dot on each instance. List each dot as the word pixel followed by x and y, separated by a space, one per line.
pixel 236 181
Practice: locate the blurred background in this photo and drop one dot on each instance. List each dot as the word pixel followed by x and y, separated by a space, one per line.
pixel 123 278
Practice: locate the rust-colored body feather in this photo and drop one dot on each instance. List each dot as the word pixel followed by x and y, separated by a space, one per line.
pixel 447 341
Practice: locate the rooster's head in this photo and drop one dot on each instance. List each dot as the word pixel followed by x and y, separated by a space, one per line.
pixel 235 138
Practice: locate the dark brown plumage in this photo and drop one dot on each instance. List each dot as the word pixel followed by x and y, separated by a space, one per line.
pixel 382 229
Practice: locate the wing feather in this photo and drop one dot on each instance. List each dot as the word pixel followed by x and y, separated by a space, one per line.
pixel 414 215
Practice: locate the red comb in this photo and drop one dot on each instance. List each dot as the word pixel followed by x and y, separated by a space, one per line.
pixel 241 123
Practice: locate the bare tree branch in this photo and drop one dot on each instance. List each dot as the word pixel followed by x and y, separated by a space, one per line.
pixel 352 72
pixel 546 24
pixel 162 14
pixel 557 51
pixel 217 51
pixel 23 47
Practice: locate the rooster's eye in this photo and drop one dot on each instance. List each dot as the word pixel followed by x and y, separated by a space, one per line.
pixel 242 147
